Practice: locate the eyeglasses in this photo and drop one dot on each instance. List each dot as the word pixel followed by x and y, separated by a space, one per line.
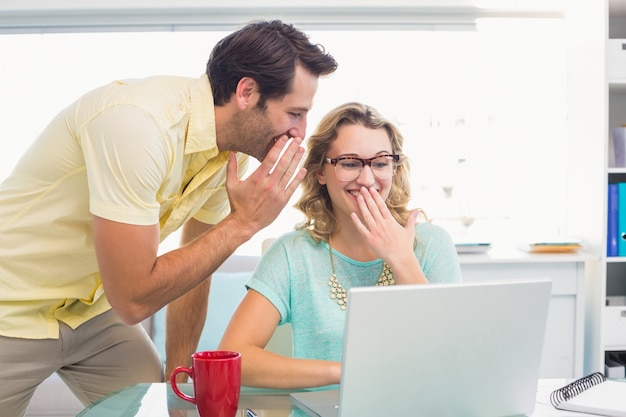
pixel 349 168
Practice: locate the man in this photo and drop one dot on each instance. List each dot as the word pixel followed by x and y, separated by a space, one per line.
pixel 84 210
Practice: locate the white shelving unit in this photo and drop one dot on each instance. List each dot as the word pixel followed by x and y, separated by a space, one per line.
pixel 613 325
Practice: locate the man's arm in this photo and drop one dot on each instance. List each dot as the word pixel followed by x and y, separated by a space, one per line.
pixel 138 283
pixel 186 315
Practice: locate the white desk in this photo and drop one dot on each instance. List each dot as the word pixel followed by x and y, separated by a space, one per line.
pixel 158 400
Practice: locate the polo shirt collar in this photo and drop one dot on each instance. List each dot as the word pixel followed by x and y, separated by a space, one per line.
pixel 201 135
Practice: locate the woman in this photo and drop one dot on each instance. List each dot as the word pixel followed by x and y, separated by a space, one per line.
pixel 357 232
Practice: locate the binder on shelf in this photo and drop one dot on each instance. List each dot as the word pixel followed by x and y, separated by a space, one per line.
pixel 612 235
pixel 593 394
pixel 619 145
pixel 621 219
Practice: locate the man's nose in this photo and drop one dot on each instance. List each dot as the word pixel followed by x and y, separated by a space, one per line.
pixel 299 130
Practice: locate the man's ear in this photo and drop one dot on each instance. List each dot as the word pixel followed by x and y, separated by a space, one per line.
pixel 246 87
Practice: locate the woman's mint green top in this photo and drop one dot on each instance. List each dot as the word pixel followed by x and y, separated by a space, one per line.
pixel 293 275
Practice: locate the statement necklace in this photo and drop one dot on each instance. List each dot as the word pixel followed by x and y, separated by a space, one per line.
pixel 337 292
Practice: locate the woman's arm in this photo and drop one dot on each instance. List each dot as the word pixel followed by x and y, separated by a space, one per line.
pixel 250 329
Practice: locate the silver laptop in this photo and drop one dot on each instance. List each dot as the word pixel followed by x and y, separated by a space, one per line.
pixel 439 350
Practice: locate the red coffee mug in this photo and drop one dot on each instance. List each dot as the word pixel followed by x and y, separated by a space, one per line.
pixel 216 379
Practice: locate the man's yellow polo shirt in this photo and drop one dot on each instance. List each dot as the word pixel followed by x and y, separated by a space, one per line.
pixel 137 151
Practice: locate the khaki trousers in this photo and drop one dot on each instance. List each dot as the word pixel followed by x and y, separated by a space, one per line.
pixel 97 358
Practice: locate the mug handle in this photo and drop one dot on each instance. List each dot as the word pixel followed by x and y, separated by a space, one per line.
pixel 178 392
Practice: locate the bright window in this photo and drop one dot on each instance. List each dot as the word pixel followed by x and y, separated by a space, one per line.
pixel 483 112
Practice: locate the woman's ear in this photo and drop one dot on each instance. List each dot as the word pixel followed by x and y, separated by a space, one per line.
pixel 246 87
pixel 321 179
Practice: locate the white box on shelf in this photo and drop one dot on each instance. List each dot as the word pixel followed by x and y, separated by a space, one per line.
pixel 616 60
pixel 615 325
pixel 614 369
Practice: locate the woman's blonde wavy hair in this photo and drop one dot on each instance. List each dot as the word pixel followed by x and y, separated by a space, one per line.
pixel 315 202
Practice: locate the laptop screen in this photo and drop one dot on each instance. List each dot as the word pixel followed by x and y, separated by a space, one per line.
pixel 470 349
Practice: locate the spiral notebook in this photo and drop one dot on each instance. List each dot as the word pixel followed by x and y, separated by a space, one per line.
pixel 593 394
pixel 467 349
